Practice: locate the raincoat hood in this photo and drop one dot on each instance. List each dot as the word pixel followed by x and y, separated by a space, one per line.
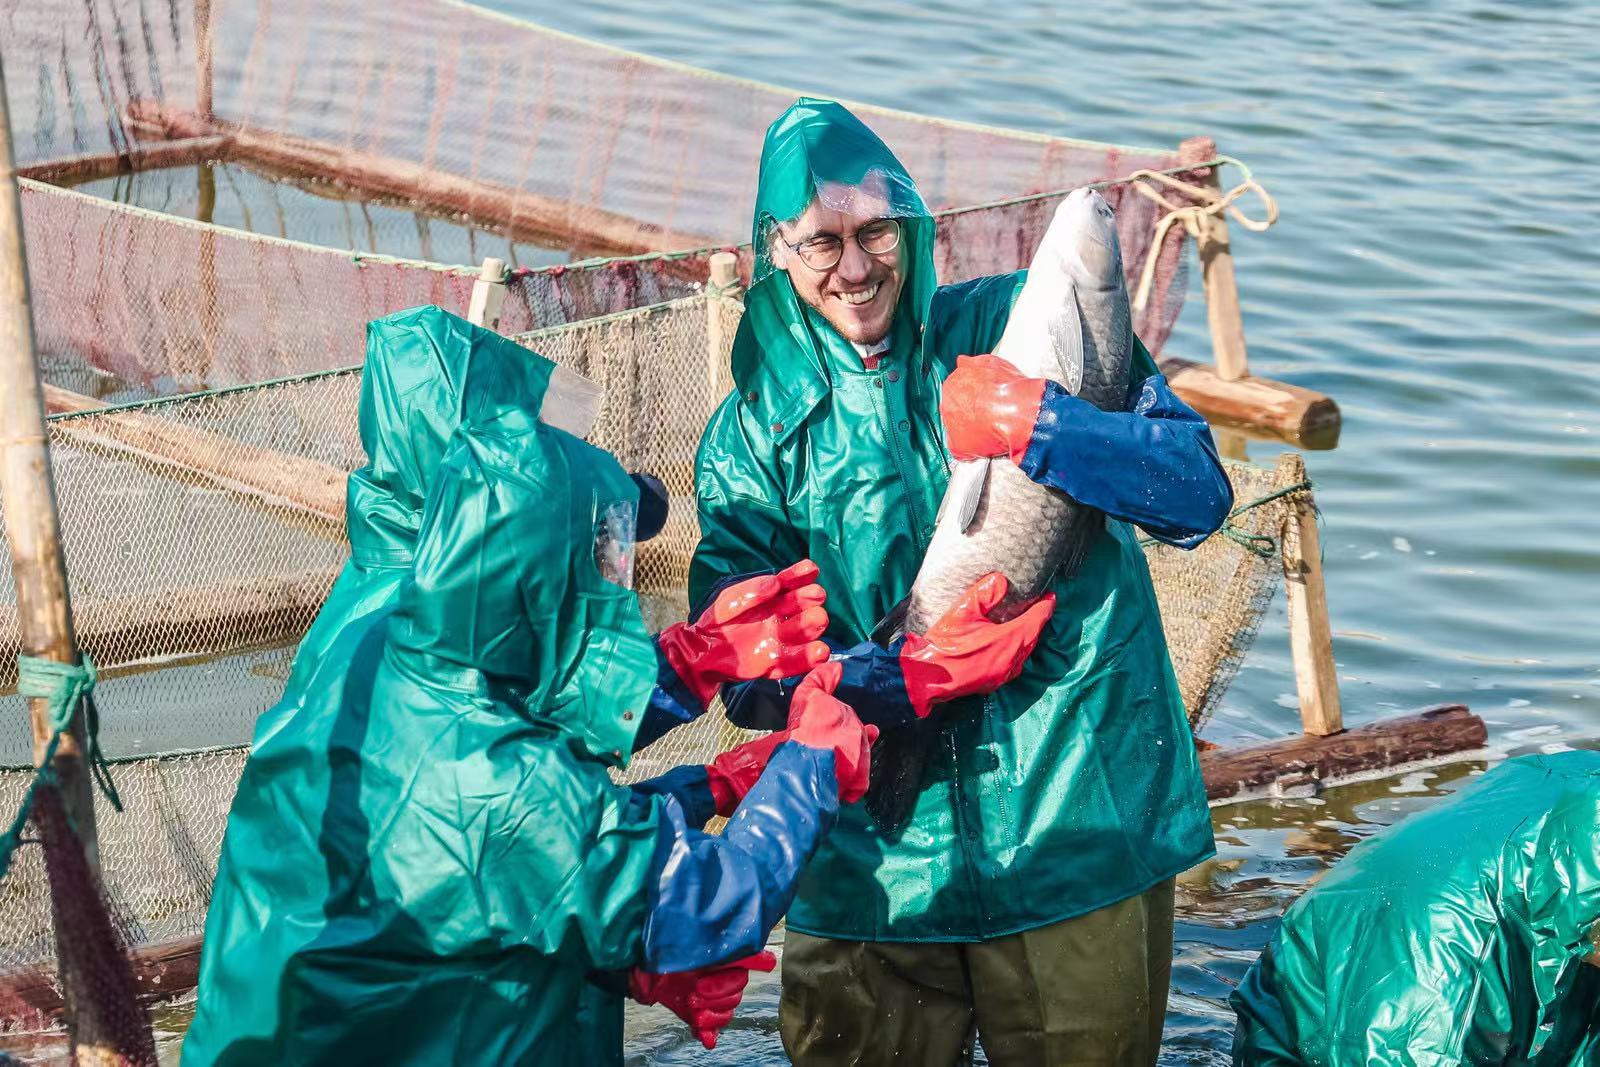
pixel 819 148
pixel 506 581
pixel 420 364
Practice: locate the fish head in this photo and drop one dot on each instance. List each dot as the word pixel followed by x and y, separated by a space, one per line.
pixel 1084 232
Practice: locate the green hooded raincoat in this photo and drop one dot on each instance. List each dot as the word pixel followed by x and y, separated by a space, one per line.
pixel 1073 787
pixel 383 895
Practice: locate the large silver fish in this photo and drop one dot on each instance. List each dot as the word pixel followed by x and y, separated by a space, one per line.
pixel 1072 324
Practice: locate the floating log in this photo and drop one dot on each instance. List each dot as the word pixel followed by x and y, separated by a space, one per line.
pixel 29 999
pixel 237 614
pixel 522 215
pixel 74 170
pixel 1298 415
pixel 263 472
pixel 1304 760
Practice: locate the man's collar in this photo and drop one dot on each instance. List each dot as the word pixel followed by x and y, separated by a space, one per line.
pixel 870 354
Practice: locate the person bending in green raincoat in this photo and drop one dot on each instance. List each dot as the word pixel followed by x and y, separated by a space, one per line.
pixel 426 861
pixel 1029 893
pixel 1464 935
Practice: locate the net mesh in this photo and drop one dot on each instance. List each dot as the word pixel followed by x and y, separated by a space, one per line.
pixel 199 547
pixel 450 110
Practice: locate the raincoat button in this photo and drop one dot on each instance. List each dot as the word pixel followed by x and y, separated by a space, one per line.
pixel 894 376
pixel 627 716
pixel 905 424
pixel 751 397
pixel 777 427
pixel 878 382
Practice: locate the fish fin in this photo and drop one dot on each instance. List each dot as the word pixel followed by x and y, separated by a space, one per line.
pixel 900 761
pixel 1066 343
pixel 893 625
pixel 1077 546
pixel 965 491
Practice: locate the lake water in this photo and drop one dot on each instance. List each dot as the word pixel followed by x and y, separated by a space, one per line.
pixel 1436 270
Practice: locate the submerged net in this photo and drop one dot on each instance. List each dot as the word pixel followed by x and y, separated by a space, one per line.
pixel 459 114
pixel 201 537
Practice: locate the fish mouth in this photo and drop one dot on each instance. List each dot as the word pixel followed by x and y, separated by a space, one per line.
pixel 859 297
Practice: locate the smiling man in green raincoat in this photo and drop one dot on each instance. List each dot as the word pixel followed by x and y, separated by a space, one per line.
pixel 1029 894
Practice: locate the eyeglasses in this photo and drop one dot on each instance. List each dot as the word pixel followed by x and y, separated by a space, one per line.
pixel 825 250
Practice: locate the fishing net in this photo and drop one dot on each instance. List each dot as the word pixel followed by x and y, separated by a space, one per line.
pixel 201 534
pixel 305 139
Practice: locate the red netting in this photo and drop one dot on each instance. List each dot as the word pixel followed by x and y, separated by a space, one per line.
pixel 457 112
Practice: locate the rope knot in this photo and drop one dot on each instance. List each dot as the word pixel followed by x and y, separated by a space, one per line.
pixel 1206 203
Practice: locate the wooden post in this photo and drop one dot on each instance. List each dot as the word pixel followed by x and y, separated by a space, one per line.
pixel 1310 638
pixel 44 614
pixel 722 286
pixel 1216 265
pixel 488 294
pixel 204 80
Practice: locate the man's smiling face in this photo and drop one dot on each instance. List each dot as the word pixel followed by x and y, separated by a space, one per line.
pixel 857 295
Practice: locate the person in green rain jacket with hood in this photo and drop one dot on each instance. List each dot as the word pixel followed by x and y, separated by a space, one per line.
pixel 426 861
pixel 1029 894
pixel 1464 935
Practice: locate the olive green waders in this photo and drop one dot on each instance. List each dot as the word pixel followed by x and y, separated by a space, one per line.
pixel 1091 990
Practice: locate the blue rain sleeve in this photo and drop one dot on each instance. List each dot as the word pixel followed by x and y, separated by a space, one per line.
pixel 1154 465
pixel 690 786
pixel 671 705
pixel 872 683
pixel 717 898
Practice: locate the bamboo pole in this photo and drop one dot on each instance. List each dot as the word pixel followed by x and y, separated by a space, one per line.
pixel 1216 264
pixel 44 612
pixel 488 294
pixel 1310 637
pixel 204 78
pixel 722 285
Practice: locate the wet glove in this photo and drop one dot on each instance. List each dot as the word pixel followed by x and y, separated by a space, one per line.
pixel 732 774
pixel 704 998
pixel 818 719
pixel 763 627
pixel 966 652
pixel 1154 464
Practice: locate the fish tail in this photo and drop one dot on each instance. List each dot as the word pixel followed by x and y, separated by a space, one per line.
pixel 900 760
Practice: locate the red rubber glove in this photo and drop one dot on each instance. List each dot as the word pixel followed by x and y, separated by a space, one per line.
pixel 705 998
pixel 764 627
pixel 732 774
pixel 967 652
pixel 819 720
pixel 989 408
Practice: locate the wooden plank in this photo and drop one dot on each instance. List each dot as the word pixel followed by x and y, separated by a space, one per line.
pixel 192 621
pixel 522 215
pixel 1300 416
pixel 1307 760
pixel 29 998
pixel 1316 675
pixel 276 476
pixel 74 170
pixel 1216 266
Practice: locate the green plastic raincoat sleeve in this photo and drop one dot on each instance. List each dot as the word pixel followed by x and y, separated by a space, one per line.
pixel 743 527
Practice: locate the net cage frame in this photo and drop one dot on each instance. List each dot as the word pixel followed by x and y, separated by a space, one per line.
pixel 471 105
pixel 194 573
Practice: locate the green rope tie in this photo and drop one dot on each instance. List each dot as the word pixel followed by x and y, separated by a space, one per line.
pixel 1262 545
pixel 62 686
